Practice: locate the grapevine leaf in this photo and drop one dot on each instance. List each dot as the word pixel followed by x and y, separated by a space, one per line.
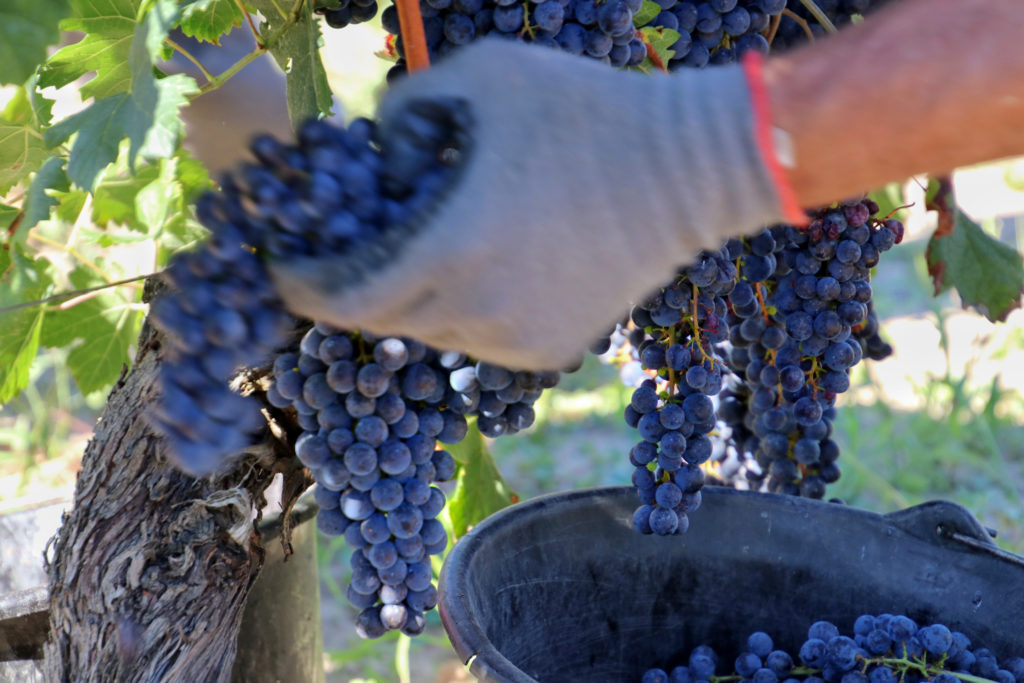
pixel 210 19
pixel 659 42
pixel 480 490
pixel 69 207
pixel 191 180
pixel 99 330
pixel 193 176
pixel 21 280
pixel 28 106
pixel 108 26
pixel 38 203
pixel 156 202
pixel 114 195
pixel 27 28
pixel 297 53
pixel 148 117
pixel 987 274
pixel 647 12
pixel 21 151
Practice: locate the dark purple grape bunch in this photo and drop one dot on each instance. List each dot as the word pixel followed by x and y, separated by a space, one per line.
pixel 885 648
pixel 502 398
pixel 219 316
pixel 673 411
pixel 793 344
pixel 341 13
pixel 714 32
pixel 373 412
pixel 601 30
pixel 343 190
pixel 867 333
pixel 335 191
pixel 612 31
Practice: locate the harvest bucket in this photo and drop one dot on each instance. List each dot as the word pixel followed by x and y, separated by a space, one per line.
pixel 561 588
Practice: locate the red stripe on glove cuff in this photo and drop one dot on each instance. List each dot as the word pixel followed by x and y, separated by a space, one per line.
pixel 753 66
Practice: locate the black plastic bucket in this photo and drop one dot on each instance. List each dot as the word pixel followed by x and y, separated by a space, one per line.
pixel 560 588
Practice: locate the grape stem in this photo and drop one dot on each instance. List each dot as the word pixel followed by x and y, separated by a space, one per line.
pixel 694 303
pixel 820 16
pixel 773 28
pixel 799 20
pixel 760 298
pixel 527 27
pixel 263 45
pixel 77 293
pixel 189 56
pixel 248 17
pixel 673 378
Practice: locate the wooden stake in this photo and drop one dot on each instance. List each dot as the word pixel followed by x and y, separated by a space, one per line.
pixel 414 40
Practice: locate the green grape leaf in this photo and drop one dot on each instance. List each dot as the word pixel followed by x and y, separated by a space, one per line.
pixel 480 491
pixel 114 194
pixel 647 12
pixel 193 176
pixel 155 200
pixel 659 41
pixel 987 274
pixel 21 280
pixel 22 151
pixel 297 53
pixel 159 200
pixel 100 331
pixel 148 115
pixel 27 28
pixel 38 203
pixel 210 19
pixel 28 106
pixel 108 26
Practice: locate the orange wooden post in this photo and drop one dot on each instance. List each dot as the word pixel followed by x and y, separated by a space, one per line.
pixel 414 40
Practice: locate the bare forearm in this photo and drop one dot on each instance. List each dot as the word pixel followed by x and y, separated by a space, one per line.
pixel 924 86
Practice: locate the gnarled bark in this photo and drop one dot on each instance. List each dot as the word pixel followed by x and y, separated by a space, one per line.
pixel 150 571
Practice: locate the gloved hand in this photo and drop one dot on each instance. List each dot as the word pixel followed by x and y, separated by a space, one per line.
pixel 584 189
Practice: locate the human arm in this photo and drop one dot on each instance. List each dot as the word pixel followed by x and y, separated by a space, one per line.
pixel 923 86
pixel 588 186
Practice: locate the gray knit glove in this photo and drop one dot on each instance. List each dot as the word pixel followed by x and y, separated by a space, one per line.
pixel 585 188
